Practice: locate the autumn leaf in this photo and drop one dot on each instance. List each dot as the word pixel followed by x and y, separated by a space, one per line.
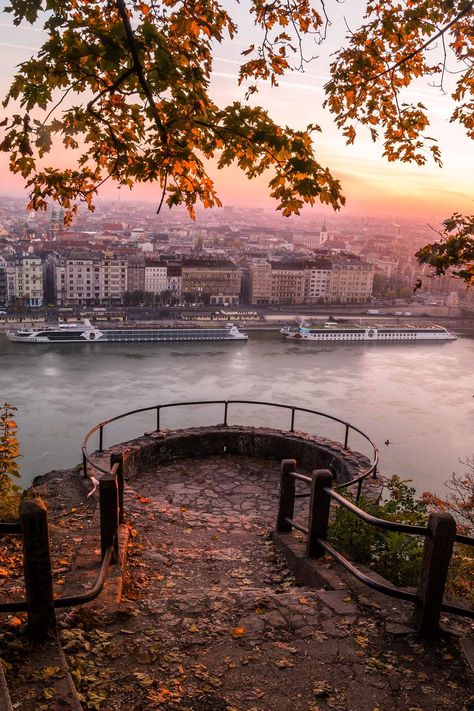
pixel 284 663
pixel 238 632
pixel 14 622
pixel 322 689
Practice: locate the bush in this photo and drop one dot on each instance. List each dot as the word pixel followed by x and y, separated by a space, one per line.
pixel 397 556
pixel 9 453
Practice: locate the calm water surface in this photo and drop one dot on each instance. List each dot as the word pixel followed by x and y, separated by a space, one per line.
pixel 420 397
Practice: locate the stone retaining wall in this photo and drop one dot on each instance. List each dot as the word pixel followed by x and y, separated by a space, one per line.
pixel 310 452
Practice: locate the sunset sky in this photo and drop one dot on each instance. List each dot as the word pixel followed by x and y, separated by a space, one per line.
pixel 369 182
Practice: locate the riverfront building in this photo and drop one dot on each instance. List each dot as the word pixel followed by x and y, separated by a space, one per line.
pixel 331 279
pixel 351 281
pixel 212 280
pixel 85 281
pixel 24 281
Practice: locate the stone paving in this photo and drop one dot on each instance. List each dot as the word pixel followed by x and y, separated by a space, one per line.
pixel 212 619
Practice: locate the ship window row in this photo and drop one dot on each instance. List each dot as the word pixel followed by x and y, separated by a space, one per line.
pixel 167 332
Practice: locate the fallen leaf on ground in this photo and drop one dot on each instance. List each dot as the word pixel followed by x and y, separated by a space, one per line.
pixel 238 632
pixel 322 689
pixel 284 663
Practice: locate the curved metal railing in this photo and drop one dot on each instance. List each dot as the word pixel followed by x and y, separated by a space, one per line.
pixel 371 470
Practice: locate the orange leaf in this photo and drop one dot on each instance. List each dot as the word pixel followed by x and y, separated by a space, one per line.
pixel 14 622
pixel 238 632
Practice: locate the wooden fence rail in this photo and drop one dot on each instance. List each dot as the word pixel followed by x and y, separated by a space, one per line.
pixel 440 536
pixel 38 574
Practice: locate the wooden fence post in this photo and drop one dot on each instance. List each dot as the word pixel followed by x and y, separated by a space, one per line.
pixel 437 554
pixel 109 515
pixel 37 568
pixel 120 459
pixel 286 504
pixel 318 517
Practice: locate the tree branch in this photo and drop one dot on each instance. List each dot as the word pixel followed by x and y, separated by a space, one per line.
pixel 138 68
pixel 424 46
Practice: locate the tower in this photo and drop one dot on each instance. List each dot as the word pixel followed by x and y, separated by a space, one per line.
pixel 323 235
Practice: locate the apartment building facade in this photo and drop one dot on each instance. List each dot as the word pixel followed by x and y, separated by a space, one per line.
pixel 174 280
pixel 155 277
pixel 215 281
pixel 259 278
pixel 135 274
pixel 318 281
pixel 24 281
pixel 87 281
pixel 325 280
pixel 288 283
pixel 351 281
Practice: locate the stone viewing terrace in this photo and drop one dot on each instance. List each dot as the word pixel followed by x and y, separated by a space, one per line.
pixel 218 607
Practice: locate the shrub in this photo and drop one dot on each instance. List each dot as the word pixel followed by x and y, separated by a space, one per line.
pixel 9 453
pixel 394 555
pixel 397 556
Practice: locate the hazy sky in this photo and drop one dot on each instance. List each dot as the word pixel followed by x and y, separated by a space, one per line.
pixel 369 182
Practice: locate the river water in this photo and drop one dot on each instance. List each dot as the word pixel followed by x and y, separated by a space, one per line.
pixel 420 397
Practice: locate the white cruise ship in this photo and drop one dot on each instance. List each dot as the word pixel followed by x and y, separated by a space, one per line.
pixel 87 333
pixel 332 331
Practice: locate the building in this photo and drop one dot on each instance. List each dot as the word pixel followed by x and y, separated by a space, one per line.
pixel 155 277
pixel 259 290
pixel 3 282
pixel 351 280
pixel 135 274
pixel 85 281
pixel 318 281
pixel 288 282
pixel 25 281
pixel 174 280
pixel 211 280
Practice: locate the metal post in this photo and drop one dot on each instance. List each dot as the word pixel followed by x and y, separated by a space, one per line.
pixel 158 418
pixel 109 515
pixel 84 465
pixel 101 439
pixel 374 473
pixel 318 518
pixel 434 571
pixel 37 568
pixel 359 490
pixel 120 460
pixel 292 426
pixel 346 438
pixel 226 405
pixel 286 504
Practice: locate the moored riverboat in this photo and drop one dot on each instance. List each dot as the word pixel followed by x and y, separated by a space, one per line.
pixel 87 333
pixel 334 332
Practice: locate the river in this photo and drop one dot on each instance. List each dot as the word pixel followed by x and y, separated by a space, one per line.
pixel 420 397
